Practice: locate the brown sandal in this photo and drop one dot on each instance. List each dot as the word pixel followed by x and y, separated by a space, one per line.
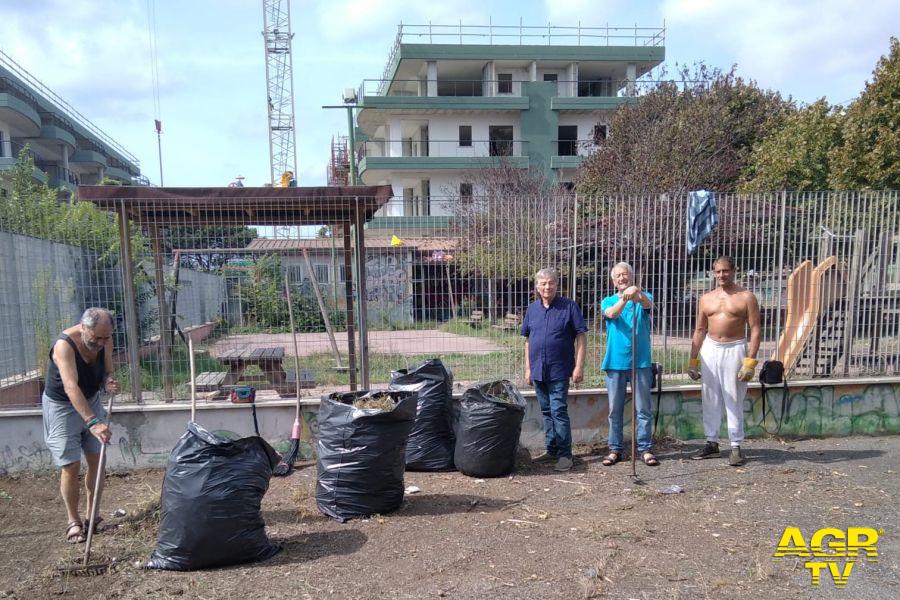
pixel 77 536
pixel 612 458
pixel 649 459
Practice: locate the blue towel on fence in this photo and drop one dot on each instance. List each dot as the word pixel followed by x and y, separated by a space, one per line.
pixel 702 218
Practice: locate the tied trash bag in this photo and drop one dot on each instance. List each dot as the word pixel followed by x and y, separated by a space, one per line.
pixel 431 441
pixel 488 427
pixel 362 452
pixel 210 507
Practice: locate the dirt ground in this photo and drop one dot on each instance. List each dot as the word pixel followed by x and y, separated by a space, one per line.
pixel 590 533
pixel 406 342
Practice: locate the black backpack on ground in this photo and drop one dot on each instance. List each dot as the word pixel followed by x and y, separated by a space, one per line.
pixel 772 374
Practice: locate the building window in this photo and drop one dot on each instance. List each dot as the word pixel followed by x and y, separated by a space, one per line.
pixel 323 274
pixel 465 192
pixel 295 274
pixel 465 136
pixel 504 83
pixel 551 77
pixel 342 272
pixel 568 140
pixel 599 134
pixel 500 140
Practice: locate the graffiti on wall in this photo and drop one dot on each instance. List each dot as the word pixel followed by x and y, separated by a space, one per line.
pixel 30 457
pixel 820 411
pixel 388 290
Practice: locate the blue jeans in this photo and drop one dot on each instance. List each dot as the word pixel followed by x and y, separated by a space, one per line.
pixel 552 396
pixel 615 384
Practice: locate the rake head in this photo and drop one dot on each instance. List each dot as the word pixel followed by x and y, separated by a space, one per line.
pixel 87 570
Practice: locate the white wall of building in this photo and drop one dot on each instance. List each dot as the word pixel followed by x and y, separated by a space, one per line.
pixel 585 124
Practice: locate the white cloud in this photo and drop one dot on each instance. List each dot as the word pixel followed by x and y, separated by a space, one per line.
pixel 591 13
pixel 809 48
pixel 360 21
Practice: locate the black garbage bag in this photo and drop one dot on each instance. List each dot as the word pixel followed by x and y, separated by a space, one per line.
pixel 362 453
pixel 489 422
pixel 210 505
pixel 431 441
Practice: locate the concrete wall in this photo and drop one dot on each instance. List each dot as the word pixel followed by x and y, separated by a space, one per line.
pixel 143 436
pixel 200 297
pixel 44 287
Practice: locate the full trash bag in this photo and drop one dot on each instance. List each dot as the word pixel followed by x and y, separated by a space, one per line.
pixel 210 505
pixel 431 441
pixel 362 453
pixel 489 422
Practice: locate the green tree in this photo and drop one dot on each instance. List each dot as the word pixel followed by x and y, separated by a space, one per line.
pixel 210 240
pixel 795 156
pixel 696 133
pixel 869 158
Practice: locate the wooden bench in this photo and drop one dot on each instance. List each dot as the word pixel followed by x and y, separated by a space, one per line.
pixel 511 322
pixel 210 381
pixel 307 381
pixel 267 359
pixel 475 319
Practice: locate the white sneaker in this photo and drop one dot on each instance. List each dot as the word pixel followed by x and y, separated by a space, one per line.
pixel 563 464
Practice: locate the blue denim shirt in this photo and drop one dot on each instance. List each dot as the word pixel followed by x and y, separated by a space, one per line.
pixel 551 334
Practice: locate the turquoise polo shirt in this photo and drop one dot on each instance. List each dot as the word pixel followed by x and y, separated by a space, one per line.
pixel 618 335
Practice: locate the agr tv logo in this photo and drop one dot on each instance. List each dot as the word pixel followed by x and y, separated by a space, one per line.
pixel 832 549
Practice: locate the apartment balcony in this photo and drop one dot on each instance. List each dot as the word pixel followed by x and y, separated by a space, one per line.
pixel 569 154
pixel 9 156
pixel 88 156
pixel 425 155
pixel 58 176
pixel 18 108
pixel 428 97
pixel 118 173
pixel 414 44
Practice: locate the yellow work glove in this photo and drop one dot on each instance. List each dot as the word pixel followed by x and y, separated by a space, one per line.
pixel 748 369
pixel 693 370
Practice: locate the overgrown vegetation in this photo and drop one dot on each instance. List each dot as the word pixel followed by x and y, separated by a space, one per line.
pixel 265 302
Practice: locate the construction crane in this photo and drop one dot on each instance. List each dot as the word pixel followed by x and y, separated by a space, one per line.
pixel 280 88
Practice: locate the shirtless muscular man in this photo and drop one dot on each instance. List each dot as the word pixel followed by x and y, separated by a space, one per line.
pixel 721 356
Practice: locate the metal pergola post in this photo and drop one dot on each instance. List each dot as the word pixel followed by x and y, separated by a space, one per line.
pixel 133 340
pixel 358 221
pixel 165 346
pixel 348 299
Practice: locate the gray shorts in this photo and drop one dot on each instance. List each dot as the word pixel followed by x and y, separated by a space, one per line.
pixel 64 430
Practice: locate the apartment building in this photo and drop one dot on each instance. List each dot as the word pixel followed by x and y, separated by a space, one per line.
pixel 67 148
pixel 454 100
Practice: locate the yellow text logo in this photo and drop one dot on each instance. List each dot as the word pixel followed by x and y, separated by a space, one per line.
pixel 831 550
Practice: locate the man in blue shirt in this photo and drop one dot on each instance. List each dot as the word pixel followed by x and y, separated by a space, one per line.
pixel 618 313
pixel 554 331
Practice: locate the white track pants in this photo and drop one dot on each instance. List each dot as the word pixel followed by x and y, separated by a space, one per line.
pixel 719 366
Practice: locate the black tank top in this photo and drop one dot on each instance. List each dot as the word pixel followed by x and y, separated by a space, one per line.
pixel 90 377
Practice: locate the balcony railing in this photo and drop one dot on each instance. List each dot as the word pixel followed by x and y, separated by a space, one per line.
pixel 522 35
pixel 410 148
pixel 63 106
pixel 576 147
pixel 58 172
pixel 11 149
pixel 581 88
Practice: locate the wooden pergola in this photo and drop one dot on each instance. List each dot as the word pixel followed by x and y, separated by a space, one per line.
pixel 345 208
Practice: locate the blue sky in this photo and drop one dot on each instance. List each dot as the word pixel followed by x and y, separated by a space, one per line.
pixel 95 54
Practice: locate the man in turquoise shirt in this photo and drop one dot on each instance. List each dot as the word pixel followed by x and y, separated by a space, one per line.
pixel 618 313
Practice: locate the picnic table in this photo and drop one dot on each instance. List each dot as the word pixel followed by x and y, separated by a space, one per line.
pixel 267 359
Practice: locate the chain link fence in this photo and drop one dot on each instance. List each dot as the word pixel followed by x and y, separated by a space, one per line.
pixel 453 282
